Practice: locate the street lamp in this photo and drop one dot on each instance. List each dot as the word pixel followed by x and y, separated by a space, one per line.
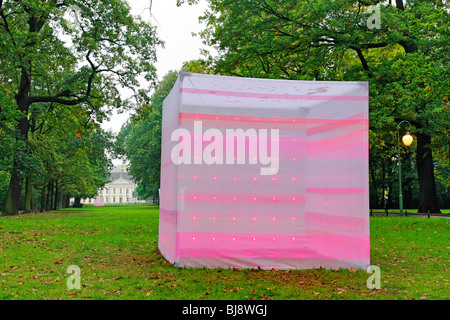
pixel 407 140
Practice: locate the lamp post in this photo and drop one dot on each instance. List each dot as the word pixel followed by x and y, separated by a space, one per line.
pixel 407 140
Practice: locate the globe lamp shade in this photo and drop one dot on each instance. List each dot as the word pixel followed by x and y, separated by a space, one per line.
pixel 407 139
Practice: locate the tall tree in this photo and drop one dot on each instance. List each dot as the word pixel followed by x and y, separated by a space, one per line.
pixel 140 139
pixel 405 57
pixel 69 153
pixel 47 60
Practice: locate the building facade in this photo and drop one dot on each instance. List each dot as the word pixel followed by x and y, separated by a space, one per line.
pixel 120 189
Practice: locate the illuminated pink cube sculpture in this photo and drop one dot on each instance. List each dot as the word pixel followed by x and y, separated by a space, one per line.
pixel 265 173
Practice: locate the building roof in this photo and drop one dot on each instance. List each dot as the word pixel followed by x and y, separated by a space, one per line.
pixel 117 175
pixel 120 171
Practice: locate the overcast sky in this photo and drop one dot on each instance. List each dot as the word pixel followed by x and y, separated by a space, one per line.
pixel 174 26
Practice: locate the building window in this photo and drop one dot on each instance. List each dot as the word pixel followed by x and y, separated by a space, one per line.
pixel 128 191
pixel 114 199
pixel 120 190
pixel 107 200
pixel 114 190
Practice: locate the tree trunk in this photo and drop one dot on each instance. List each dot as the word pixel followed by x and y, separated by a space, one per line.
pixel 48 196
pixel 51 195
pixel 12 205
pixel 14 190
pixel 77 203
pixel 408 196
pixel 28 194
pixel 56 196
pixel 65 200
pixel 374 189
pixel 425 169
pixel 42 199
pixel 18 169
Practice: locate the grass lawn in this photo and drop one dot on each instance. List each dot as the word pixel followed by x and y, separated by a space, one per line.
pixel 117 251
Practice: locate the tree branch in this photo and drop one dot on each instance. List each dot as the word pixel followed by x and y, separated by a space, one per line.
pixel 363 60
pixel 373 45
pixel 2 118
pixel 57 100
pixel 5 23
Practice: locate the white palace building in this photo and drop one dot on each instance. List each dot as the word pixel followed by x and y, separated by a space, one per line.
pixel 119 190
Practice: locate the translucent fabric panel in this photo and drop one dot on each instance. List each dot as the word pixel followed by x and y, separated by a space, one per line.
pixel 99 202
pixel 265 173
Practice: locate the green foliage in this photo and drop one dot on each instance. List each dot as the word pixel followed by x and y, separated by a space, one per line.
pixel 144 151
pixel 405 61
pixel 140 140
pixel 59 81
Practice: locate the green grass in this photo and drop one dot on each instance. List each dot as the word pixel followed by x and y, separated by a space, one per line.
pixel 116 249
pixel 413 211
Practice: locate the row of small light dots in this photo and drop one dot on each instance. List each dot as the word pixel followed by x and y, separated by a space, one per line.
pixel 255 139
pixel 227 118
pixel 254 198
pixel 253 238
pixel 195 177
pixel 235 158
pixel 253 218
pixel 276 199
